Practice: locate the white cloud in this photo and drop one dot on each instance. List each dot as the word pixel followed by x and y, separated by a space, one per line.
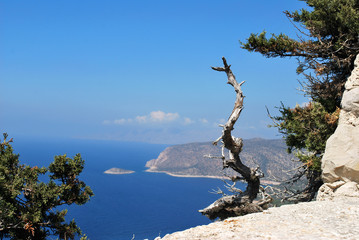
pixel 222 121
pixel 203 120
pixel 188 121
pixel 141 119
pixel 156 118
pixel 159 116
pixel 219 122
pixel 120 121
pixel 153 117
pixel 106 122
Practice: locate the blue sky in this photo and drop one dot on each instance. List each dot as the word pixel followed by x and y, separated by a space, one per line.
pixel 139 70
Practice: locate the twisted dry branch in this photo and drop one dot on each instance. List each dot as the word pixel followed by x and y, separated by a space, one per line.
pixel 243 202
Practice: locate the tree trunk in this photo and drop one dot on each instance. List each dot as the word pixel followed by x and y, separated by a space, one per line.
pixel 243 203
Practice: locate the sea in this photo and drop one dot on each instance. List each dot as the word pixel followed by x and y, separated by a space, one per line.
pixel 136 206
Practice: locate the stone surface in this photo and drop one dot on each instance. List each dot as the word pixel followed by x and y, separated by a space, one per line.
pixel 335 185
pixel 338 219
pixel 325 193
pixel 349 189
pixel 341 157
pixel 336 190
pixel 350 101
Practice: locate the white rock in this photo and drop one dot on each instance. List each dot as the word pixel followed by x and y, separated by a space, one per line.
pixel 350 101
pixel 341 157
pixel 336 190
pixel 325 193
pixel 335 185
pixel 350 189
pixel 325 220
pixel 353 80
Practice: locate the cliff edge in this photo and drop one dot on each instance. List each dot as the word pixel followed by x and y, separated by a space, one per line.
pixel 319 220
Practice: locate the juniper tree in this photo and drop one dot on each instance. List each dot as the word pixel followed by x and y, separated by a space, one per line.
pixel 28 206
pixel 326 46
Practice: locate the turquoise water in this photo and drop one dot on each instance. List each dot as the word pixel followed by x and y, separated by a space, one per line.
pixel 142 204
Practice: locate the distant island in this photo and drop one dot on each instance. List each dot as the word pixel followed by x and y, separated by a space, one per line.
pixel 118 171
pixel 187 160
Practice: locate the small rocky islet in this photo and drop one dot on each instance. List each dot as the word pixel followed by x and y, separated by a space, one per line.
pixel 118 171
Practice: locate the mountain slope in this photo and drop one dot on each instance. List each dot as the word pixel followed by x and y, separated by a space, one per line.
pixel 188 159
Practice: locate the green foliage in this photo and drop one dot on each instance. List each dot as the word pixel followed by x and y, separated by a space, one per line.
pixel 326 46
pixel 28 206
pixel 307 128
pixel 275 46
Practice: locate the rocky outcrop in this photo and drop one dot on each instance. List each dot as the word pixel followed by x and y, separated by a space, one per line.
pixel 338 190
pixel 325 220
pixel 340 163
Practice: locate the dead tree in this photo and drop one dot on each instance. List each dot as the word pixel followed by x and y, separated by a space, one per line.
pixel 244 202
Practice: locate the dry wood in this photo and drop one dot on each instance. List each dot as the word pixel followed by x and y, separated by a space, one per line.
pixel 242 203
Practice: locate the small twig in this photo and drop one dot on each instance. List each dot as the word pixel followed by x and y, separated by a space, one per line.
pixel 210 156
pixel 218 191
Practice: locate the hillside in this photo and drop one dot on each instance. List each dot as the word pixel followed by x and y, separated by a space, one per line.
pixel 189 160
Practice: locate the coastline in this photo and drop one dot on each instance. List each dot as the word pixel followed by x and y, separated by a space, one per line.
pixel 185 175
pixel 203 176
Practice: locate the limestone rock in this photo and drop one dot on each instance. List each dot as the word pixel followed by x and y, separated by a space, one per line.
pixel 323 220
pixel 325 193
pixel 335 185
pixel 341 157
pixel 350 189
pixel 340 189
pixel 350 101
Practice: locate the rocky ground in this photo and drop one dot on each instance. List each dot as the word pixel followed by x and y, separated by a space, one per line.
pixel 336 219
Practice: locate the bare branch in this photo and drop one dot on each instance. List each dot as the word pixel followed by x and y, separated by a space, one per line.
pixel 210 156
pixel 218 191
pixel 242 202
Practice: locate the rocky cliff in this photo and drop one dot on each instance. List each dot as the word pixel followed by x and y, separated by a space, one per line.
pixel 319 220
pixel 189 160
pixel 340 163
